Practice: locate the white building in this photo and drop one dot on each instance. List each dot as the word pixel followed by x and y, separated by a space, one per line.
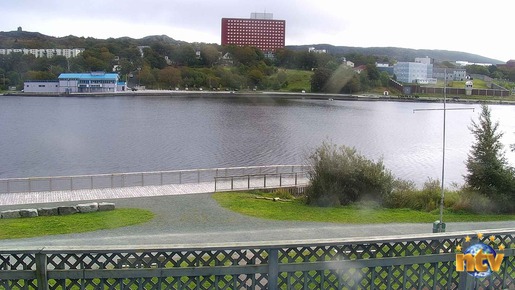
pixel 314 50
pixel 44 52
pixel 425 60
pixel 456 74
pixel 414 72
pixel 50 87
pixel 94 82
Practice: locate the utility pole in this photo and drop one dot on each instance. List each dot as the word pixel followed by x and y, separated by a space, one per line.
pixel 439 226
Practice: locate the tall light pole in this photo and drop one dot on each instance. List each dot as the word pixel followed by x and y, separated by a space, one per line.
pixel 441 224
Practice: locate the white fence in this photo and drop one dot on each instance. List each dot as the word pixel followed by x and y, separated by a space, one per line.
pixel 116 180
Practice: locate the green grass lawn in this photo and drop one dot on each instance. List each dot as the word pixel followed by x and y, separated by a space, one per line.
pixel 297 80
pixel 247 204
pixel 76 223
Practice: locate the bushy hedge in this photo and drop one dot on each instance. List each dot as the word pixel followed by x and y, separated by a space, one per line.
pixel 341 176
pixel 406 195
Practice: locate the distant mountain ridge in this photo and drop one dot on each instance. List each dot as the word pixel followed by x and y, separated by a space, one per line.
pixel 401 54
pixel 25 39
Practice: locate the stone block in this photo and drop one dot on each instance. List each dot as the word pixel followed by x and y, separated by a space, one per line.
pixel 66 210
pixel 27 213
pixel 105 206
pixel 87 207
pixel 10 214
pixel 48 211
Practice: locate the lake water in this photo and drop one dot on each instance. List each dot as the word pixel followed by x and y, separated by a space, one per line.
pixel 48 136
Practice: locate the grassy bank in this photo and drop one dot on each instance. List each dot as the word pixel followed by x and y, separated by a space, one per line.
pixel 76 223
pixel 296 80
pixel 296 210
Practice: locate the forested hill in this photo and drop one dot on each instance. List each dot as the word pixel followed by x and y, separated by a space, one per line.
pixel 24 39
pixel 401 54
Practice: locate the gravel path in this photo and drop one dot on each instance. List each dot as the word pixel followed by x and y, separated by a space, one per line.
pixel 198 219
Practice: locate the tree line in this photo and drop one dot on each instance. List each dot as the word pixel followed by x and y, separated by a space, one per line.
pixel 166 64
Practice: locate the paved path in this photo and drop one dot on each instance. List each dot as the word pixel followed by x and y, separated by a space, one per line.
pixel 198 219
pixel 140 191
pixel 186 214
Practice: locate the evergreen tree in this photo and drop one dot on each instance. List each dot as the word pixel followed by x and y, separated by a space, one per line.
pixel 488 170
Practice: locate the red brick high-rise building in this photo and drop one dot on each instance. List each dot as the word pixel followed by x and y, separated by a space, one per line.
pixel 260 30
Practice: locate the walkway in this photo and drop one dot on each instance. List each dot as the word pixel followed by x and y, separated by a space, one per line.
pixel 17 191
pixel 143 191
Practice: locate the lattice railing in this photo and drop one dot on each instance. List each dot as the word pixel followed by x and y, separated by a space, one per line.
pixel 414 262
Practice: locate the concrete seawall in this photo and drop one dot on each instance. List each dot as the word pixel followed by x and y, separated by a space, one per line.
pixel 268 95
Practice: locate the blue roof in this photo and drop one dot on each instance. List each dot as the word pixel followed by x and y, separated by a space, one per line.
pixel 89 76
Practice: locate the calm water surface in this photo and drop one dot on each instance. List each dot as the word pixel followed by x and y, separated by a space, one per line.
pixel 44 136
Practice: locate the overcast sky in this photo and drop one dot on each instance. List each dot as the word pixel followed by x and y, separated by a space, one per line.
pixel 480 27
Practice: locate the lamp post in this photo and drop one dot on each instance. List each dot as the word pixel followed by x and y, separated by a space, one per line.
pixel 439 226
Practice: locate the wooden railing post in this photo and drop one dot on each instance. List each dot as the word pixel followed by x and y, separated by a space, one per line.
pixel 273 269
pixel 41 271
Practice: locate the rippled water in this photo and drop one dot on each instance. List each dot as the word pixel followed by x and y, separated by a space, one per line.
pixel 67 136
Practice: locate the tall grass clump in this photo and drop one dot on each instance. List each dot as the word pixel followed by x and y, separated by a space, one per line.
pixel 406 195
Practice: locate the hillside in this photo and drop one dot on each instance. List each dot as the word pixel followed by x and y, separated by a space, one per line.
pixel 401 54
pixel 24 39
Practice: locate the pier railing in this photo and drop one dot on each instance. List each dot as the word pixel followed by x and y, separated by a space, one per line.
pixel 404 262
pixel 260 181
pixel 116 180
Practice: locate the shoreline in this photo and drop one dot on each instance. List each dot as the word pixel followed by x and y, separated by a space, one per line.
pixel 263 94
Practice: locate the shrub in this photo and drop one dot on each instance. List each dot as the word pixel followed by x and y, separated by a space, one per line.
pixel 406 195
pixel 429 197
pixel 341 176
pixel 473 201
pixel 403 191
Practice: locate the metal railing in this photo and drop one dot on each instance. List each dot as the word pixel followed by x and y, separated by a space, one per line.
pixel 115 180
pixel 408 262
pixel 254 181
